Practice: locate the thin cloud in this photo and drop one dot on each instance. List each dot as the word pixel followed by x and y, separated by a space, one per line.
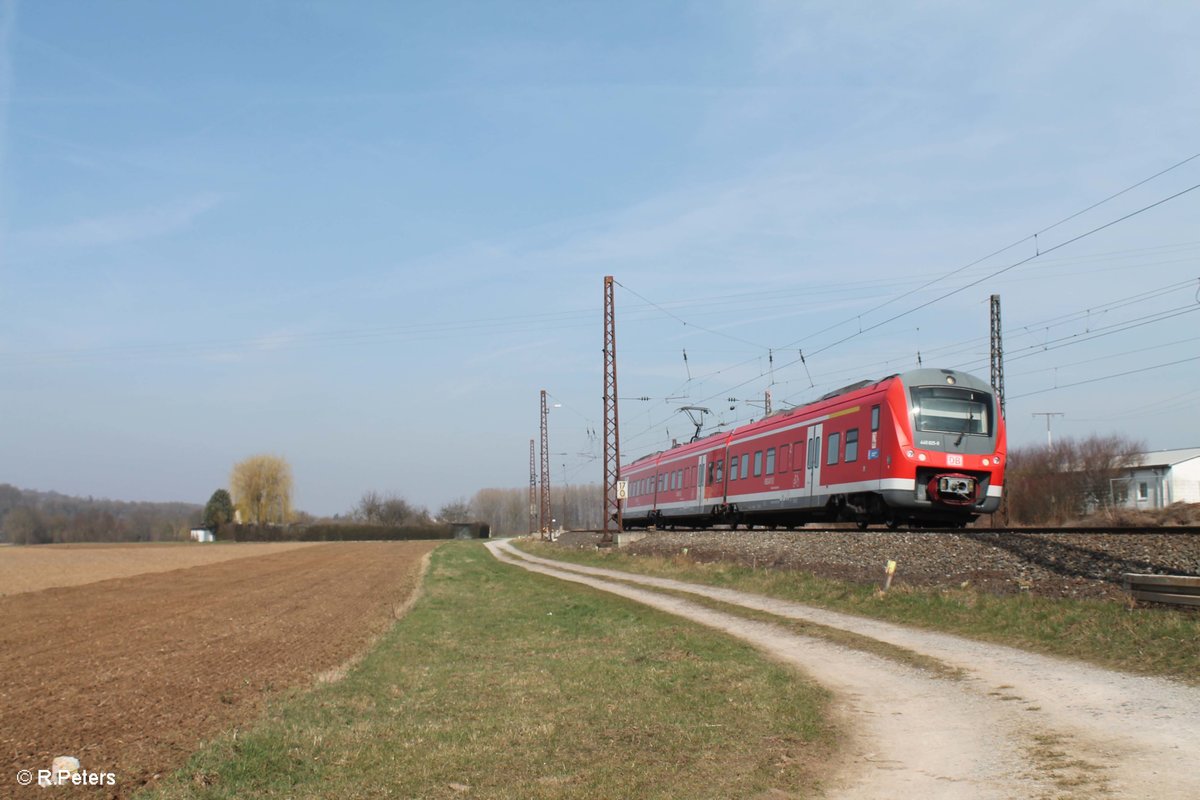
pixel 125 227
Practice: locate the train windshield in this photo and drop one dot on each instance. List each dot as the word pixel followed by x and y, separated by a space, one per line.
pixel 951 409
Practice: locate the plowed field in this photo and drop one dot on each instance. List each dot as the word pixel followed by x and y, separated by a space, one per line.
pixel 30 569
pixel 130 675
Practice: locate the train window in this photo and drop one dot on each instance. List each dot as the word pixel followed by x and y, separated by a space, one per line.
pixel 952 409
pixel 852 444
pixel 784 452
pixel 720 469
pixel 770 460
pixel 745 465
pixel 757 463
pixel 678 479
pixel 831 454
pixel 711 470
pixel 798 462
pixel 874 418
pixel 733 467
pixel 662 482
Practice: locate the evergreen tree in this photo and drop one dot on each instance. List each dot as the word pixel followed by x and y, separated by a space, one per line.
pixel 219 510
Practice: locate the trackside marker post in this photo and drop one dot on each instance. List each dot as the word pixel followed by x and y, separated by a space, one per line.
pixel 888 571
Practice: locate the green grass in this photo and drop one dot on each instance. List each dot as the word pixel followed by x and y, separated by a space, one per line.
pixel 504 684
pixel 1152 641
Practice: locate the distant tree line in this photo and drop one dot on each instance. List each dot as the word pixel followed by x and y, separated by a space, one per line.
pixel 579 506
pixel 33 517
pixel 342 531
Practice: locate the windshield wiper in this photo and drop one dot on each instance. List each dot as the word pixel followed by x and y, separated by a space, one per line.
pixel 970 419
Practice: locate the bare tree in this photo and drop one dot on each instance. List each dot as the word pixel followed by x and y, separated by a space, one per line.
pixel 394 510
pixel 458 510
pixel 1072 478
pixel 369 507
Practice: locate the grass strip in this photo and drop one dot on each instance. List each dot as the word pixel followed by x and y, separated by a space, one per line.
pixel 1148 641
pixel 500 683
pixel 802 627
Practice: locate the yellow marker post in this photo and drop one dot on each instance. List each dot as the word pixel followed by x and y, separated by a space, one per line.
pixel 888 573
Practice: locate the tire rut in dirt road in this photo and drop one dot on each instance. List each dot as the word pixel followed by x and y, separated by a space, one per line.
pixel 1018 725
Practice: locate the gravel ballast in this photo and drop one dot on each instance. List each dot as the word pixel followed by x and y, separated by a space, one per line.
pixel 1050 564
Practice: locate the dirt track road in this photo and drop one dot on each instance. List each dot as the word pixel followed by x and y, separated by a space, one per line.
pixel 1017 725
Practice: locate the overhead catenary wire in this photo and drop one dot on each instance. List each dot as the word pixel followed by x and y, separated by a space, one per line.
pixel 1037 252
pixel 1040 253
pixel 1106 377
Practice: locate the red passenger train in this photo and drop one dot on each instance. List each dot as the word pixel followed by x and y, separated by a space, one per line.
pixel 925 447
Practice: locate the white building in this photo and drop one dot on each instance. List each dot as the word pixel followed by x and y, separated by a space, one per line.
pixel 202 535
pixel 1163 477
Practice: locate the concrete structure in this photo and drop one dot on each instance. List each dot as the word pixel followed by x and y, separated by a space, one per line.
pixel 1161 478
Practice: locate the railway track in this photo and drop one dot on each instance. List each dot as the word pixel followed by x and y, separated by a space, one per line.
pixel 1076 562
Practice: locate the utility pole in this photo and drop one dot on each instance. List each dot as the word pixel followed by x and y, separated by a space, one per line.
pixel 545 516
pixel 997 355
pixel 1048 415
pixel 533 501
pixel 997 361
pixel 612 438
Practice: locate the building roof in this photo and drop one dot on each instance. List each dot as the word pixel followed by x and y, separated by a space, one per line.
pixel 1167 458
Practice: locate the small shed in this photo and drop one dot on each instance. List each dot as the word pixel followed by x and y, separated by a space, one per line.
pixel 202 535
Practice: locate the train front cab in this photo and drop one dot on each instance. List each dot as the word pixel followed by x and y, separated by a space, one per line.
pixel 950 449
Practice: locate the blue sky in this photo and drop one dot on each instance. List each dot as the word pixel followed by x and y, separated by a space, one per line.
pixel 363 236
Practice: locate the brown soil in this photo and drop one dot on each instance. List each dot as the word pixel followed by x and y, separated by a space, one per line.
pixel 31 569
pixel 131 675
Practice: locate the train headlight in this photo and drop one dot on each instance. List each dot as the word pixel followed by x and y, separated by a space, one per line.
pixel 986 463
pixel 921 457
pixel 911 454
pixel 996 459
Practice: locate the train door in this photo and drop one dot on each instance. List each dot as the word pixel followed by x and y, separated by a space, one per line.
pixel 700 467
pixel 812 470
